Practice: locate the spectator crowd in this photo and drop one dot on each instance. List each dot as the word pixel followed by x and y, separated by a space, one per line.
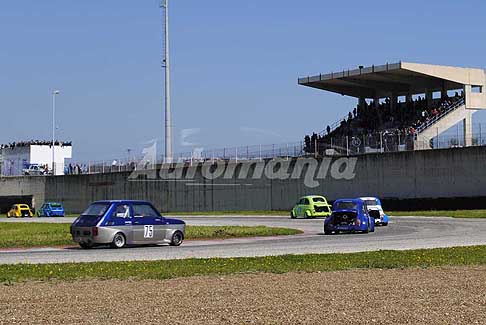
pixel 35 143
pixel 368 119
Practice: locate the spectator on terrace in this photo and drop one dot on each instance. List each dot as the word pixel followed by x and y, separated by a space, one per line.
pixel 328 129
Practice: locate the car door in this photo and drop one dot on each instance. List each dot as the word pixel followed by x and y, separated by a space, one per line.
pixel 121 219
pixel 149 226
pixel 299 207
pixel 305 206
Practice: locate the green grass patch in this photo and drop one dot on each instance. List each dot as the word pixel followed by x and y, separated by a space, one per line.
pixel 16 235
pixel 459 256
pixel 444 213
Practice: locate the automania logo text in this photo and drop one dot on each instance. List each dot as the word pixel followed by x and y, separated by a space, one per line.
pixel 311 170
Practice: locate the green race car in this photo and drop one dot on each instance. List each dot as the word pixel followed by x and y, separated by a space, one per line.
pixel 311 206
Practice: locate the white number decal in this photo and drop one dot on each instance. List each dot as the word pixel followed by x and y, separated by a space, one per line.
pixel 148 231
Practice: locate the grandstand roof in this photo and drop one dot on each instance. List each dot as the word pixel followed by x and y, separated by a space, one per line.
pixel 400 78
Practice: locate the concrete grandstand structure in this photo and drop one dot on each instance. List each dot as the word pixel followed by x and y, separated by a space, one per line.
pixel 407 80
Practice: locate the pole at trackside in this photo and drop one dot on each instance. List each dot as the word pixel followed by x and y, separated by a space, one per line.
pixel 166 64
pixel 54 93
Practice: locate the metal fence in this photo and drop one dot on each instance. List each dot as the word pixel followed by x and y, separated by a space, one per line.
pixel 243 153
pixel 380 142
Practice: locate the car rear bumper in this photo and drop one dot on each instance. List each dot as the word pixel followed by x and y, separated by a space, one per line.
pixel 321 214
pixel 345 228
pixel 84 235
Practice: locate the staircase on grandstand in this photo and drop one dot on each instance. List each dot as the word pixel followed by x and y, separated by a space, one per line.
pixel 448 117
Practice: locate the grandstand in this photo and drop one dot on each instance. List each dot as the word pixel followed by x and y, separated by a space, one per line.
pixel 401 106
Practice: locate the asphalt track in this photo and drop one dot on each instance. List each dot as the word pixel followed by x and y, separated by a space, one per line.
pixel 403 233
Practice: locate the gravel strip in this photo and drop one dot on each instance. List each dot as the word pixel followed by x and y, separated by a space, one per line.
pixel 413 296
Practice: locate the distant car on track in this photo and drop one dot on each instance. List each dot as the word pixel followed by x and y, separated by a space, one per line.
pixel 51 209
pixel 311 206
pixel 121 223
pixel 20 211
pixel 349 215
pixel 376 210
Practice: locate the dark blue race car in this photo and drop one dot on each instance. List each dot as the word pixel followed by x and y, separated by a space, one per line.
pixel 349 215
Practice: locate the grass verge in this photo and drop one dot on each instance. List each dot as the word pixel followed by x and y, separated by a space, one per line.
pixel 18 235
pixel 444 213
pixel 458 256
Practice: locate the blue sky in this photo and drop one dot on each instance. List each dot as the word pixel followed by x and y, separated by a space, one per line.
pixel 235 65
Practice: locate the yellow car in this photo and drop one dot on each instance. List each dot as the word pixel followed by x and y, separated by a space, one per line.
pixel 20 211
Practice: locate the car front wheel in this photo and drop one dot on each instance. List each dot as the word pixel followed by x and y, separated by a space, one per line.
pixel 177 239
pixel 119 241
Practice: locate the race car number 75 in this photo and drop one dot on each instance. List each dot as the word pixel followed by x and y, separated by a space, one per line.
pixel 148 231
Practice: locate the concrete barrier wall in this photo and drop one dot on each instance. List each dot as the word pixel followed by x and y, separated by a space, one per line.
pixel 451 173
pixel 29 190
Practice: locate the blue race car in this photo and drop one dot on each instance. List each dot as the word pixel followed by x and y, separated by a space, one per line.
pixel 126 222
pixel 51 209
pixel 349 215
pixel 376 210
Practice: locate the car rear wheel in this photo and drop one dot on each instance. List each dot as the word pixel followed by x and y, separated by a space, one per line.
pixel 367 230
pixel 119 241
pixel 177 239
pixel 86 245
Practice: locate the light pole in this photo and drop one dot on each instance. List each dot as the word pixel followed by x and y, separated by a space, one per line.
pixel 168 124
pixel 54 94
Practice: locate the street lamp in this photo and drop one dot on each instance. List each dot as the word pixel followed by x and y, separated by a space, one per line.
pixel 54 94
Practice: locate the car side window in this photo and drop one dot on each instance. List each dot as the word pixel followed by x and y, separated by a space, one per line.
pixel 306 202
pixel 144 210
pixel 301 202
pixel 121 211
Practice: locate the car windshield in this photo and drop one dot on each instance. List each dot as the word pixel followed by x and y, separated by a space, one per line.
pixel 371 202
pixel 346 205
pixel 318 199
pixel 96 209
pixel 55 205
